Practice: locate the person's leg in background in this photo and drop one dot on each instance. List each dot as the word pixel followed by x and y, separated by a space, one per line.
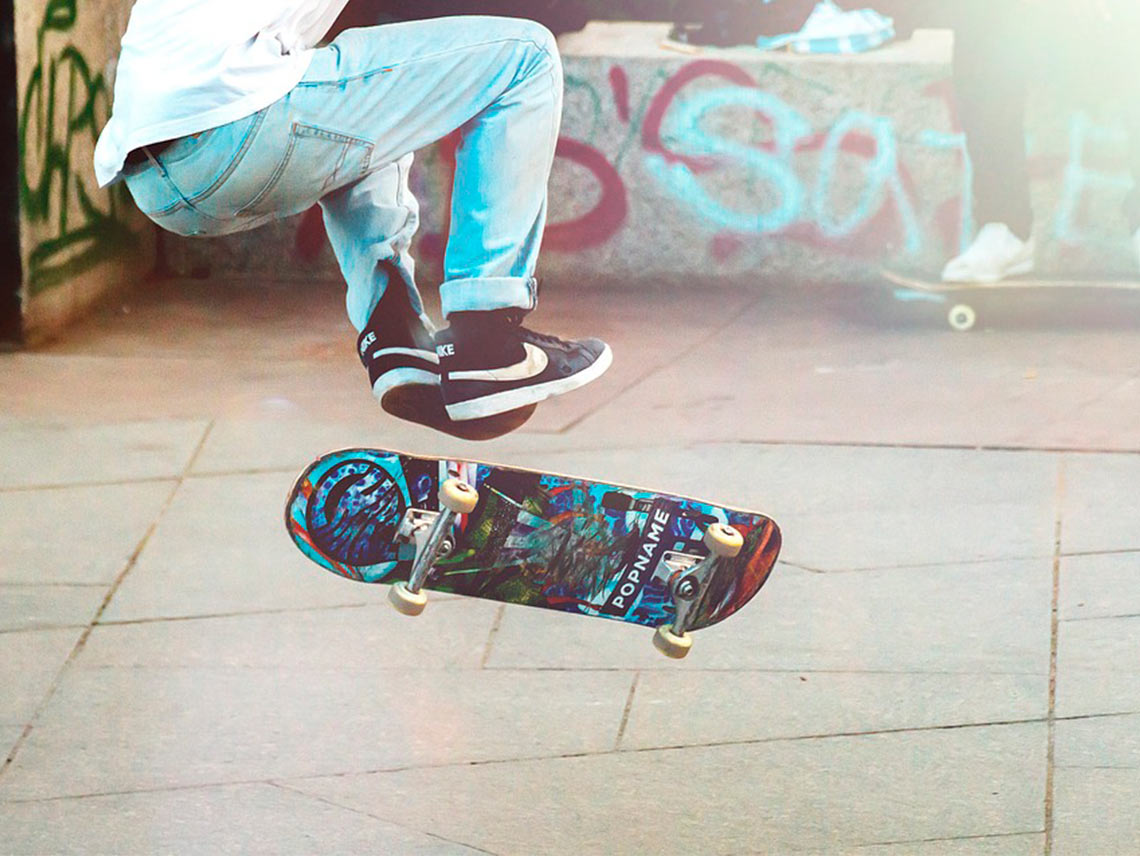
pixel 991 77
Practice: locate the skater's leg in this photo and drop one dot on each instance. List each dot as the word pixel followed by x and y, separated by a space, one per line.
pixel 498 81
pixel 370 222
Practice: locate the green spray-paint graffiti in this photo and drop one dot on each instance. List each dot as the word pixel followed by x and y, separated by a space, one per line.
pixel 75 225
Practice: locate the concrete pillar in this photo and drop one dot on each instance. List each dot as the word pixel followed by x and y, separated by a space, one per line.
pixel 78 243
pixel 11 327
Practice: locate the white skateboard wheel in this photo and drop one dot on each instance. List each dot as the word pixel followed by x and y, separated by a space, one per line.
pixel 406 602
pixel 724 541
pixel 458 496
pixel 962 317
pixel 670 644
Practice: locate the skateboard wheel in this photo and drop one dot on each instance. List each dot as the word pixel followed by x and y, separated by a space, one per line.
pixel 458 496
pixel 962 317
pixel 670 644
pixel 724 541
pixel 406 602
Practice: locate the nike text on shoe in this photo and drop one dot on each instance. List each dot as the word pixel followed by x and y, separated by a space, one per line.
pixel 396 347
pixel 491 364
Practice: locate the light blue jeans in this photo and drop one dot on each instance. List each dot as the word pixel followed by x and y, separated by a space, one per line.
pixel 345 137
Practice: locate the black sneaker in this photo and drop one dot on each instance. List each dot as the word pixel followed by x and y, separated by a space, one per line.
pixel 397 348
pixel 491 364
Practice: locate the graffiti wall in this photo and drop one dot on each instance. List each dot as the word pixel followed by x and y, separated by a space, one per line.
pixel 740 164
pixel 78 242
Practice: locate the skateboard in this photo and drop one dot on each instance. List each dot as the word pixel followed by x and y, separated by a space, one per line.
pixel 960 299
pixel 534 538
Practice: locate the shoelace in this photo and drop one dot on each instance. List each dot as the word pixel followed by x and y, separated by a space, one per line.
pixel 544 339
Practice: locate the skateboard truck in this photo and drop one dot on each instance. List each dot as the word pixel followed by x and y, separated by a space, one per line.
pixel 689 583
pixel 429 530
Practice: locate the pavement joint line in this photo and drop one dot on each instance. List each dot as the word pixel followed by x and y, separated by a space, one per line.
pixel 1101 617
pixel 4 585
pixel 284 786
pixel 566 756
pixel 981 837
pixel 666 669
pixel 919 447
pixel 89 484
pixel 40 628
pixel 1123 551
pixel 163 619
pixel 627 710
pixel 1054 627
pixel 714 330
pixel 253 471
pixel 916 566
pixel 495 625
pixel 81 643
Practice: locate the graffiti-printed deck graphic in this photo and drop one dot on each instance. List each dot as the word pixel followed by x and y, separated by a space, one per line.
pixel 537 539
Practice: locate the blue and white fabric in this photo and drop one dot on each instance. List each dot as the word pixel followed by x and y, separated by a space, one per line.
pixel 831 30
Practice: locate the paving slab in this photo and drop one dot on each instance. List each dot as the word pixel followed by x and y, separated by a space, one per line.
pixel 29 663
pixel 258 818
pixel 848 507
pixel 35 455
pixel 685 708
pixel 986 618
pixel 1098 670
pixel 1099 586
pixel 1101 513
pixel 451 634
pixel 827 378
pixel 830 793
pixel 1097 786
pixel 30 607
pixel 77 535
pixel 1096 742
pixel 134 728
pixel 222 548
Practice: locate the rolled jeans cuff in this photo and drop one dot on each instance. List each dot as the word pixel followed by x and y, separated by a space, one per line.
pixel 481 294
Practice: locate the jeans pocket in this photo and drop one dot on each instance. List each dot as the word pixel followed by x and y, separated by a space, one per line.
pixel 315 162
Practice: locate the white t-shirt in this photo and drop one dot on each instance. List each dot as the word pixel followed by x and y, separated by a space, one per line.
pixel 190 65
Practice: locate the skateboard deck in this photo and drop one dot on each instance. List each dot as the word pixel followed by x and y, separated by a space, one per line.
pixel 961 297
pixel 534 538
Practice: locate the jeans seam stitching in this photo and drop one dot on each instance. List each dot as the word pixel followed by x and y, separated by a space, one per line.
pixel 417 59
pixel 243 150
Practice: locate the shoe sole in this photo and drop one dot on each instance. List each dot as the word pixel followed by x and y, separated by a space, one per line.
pixel 397 378
pixel 513 399
pixel 421 404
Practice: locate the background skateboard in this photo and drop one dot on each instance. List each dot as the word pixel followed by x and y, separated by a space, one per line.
pixel 963 302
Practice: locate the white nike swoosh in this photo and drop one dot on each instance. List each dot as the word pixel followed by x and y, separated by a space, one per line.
pixel 532 365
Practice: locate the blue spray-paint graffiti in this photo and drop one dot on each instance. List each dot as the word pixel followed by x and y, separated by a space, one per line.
pixel 1082 179
pixel 846 181
pixel 686 133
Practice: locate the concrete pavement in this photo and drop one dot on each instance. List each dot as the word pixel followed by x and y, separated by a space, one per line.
pixel 944 662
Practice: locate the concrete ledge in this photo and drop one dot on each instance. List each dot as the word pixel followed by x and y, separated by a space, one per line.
pixel 720 163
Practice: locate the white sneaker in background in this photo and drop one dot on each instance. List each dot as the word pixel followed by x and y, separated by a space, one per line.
pixel 996 253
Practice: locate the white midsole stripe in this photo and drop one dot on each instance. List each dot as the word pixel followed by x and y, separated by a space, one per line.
pixel 403 377
pixel 427 356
